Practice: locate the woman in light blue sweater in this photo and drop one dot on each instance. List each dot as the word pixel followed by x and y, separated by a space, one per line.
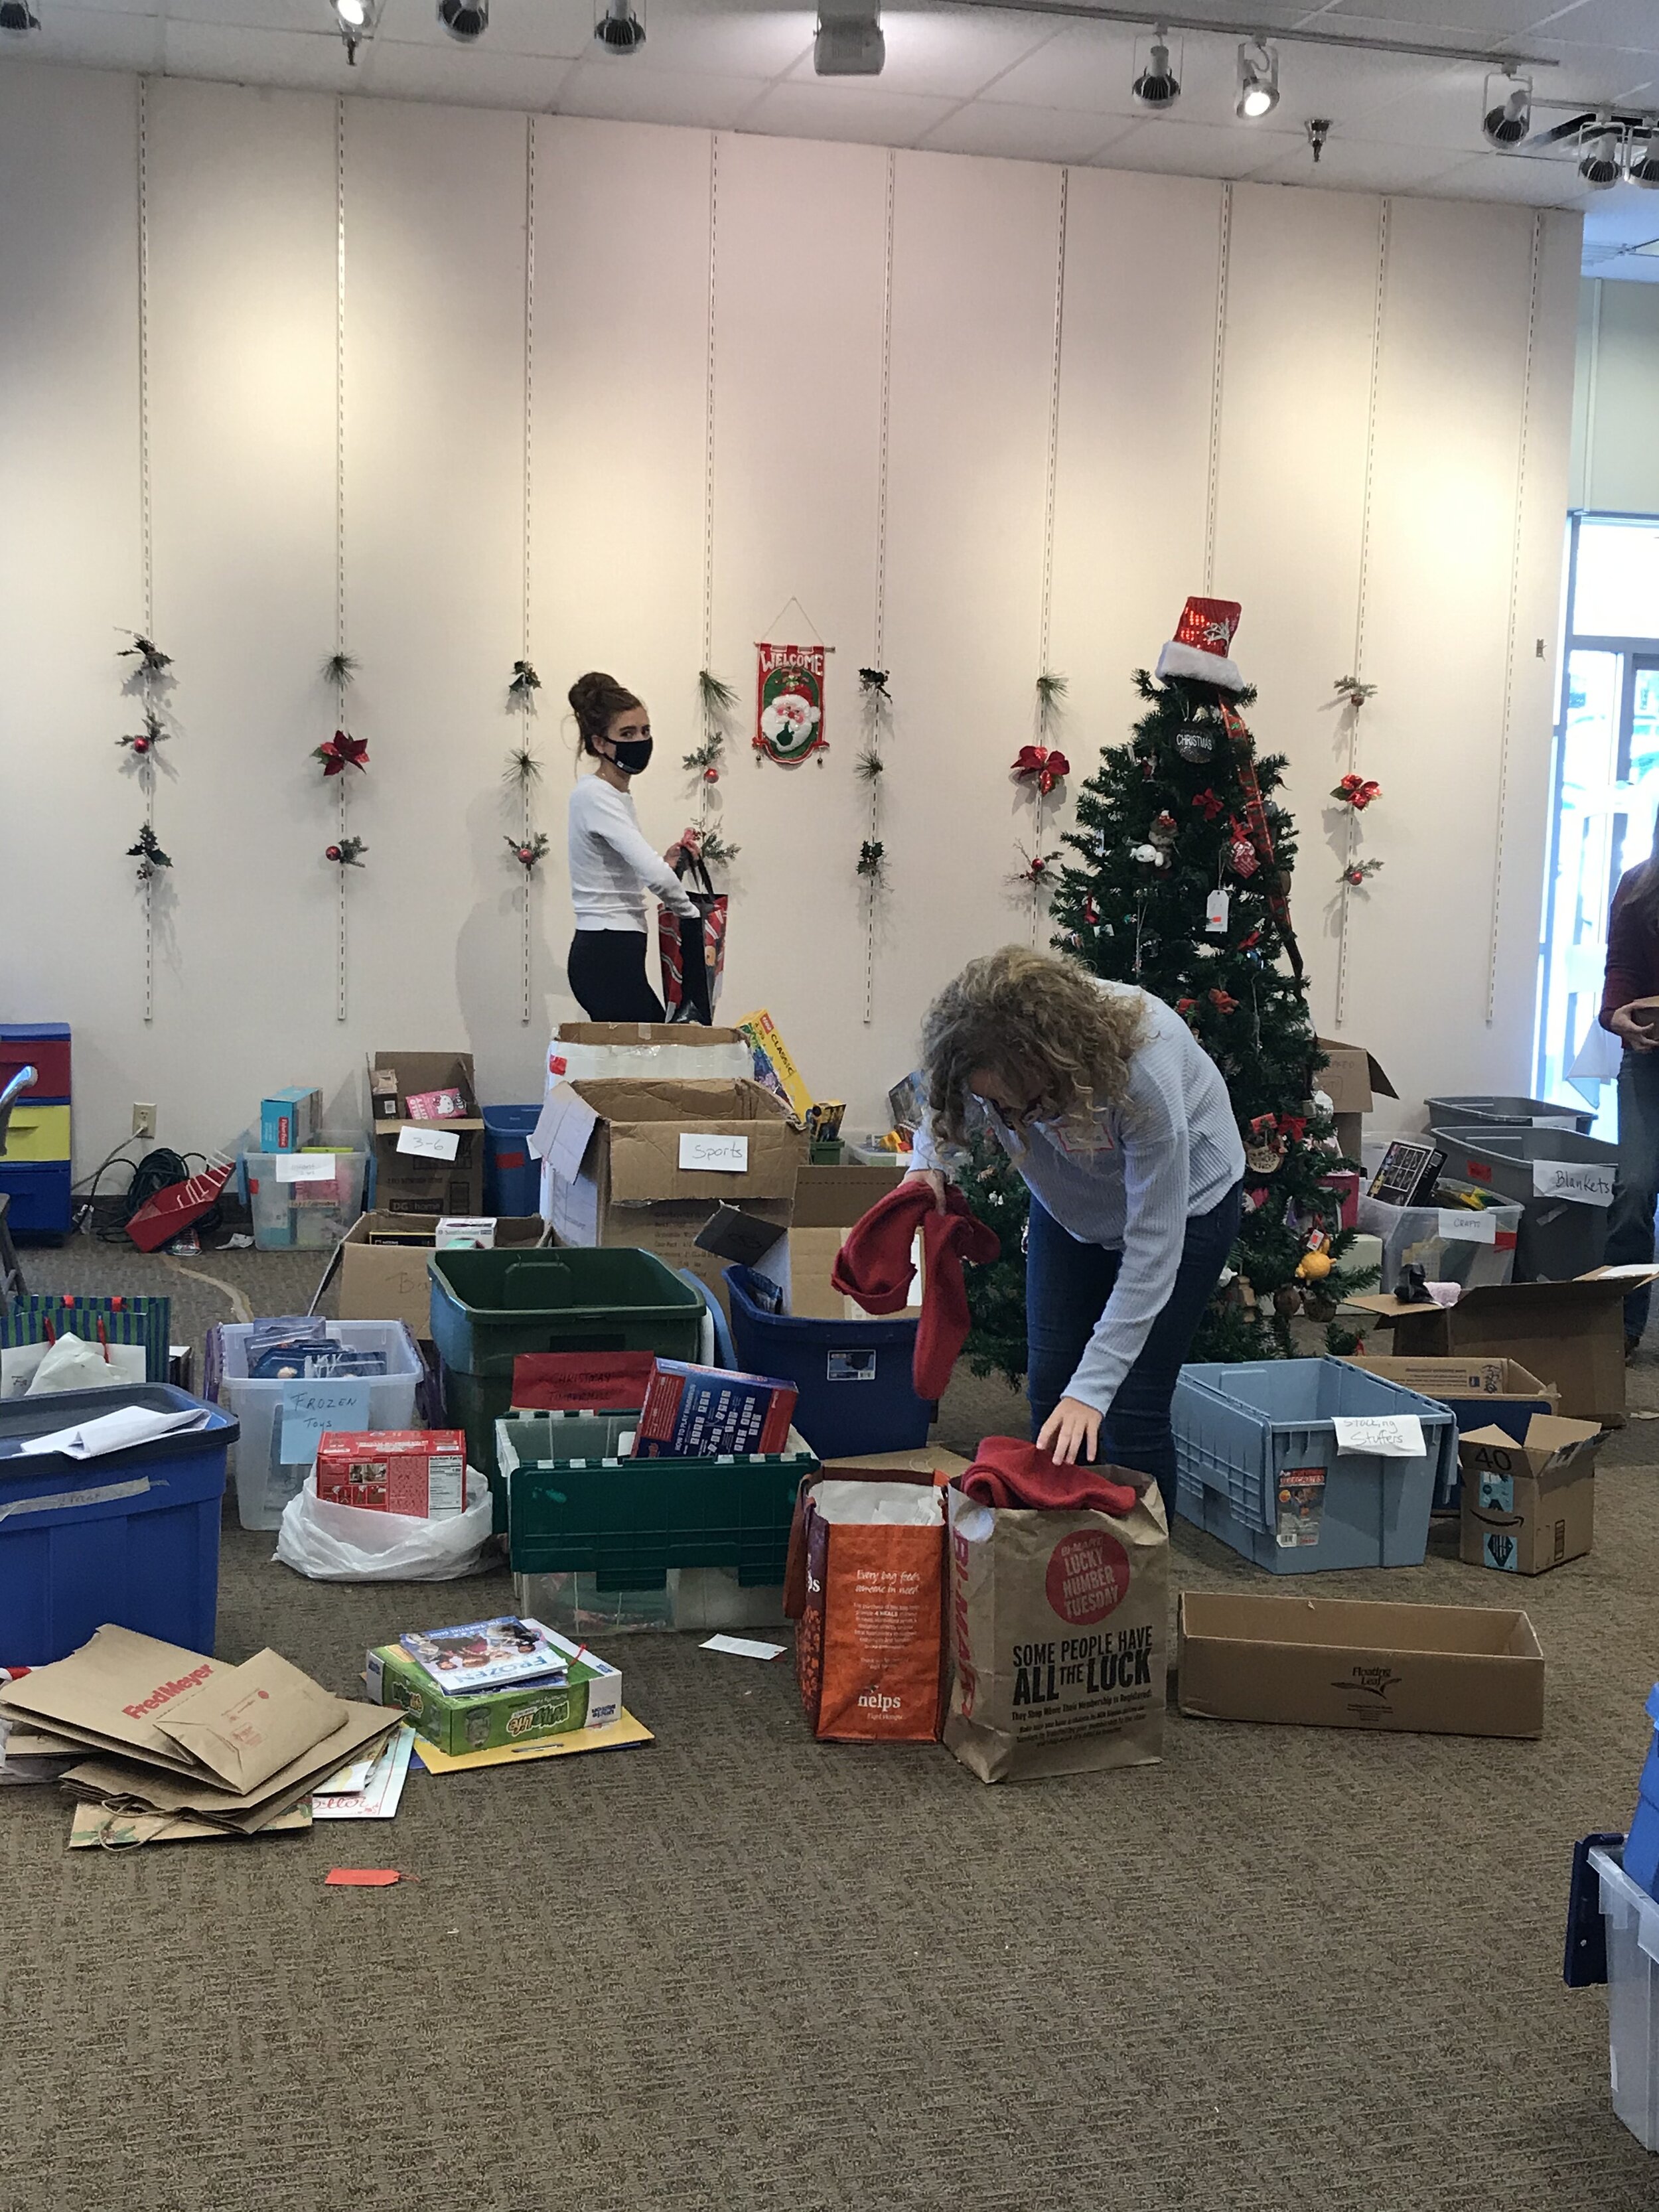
pixel 1120 1124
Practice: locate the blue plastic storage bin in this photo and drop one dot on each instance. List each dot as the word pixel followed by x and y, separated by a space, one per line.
pixel 1642 1843
pixel 42 1203
pixel 132 1537
pixel 1256 1464
pixel 512 1174
pixel 853 1376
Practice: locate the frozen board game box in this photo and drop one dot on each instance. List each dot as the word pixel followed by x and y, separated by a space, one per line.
pixel 494 1720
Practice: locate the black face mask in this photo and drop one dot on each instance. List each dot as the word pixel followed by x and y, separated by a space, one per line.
pixel 633 754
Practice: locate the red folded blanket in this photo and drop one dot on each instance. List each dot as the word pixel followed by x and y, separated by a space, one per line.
pixel 874 1267
pixel 1007 1472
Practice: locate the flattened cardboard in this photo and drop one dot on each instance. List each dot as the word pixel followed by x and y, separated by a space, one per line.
pixel 111 1692
pixel 1335 1663
pixel 247 1812
pixel 250 1721
pixel 1570 1335
pixel 384 1280
pixel 1530 1506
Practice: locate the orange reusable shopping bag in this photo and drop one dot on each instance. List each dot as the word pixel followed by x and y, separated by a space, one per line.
pixel 866 1590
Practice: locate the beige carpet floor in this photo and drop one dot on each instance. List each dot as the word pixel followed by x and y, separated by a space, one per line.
pixel 1285 1971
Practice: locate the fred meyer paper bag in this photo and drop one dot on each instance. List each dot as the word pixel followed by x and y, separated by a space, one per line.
pixel 1058 1629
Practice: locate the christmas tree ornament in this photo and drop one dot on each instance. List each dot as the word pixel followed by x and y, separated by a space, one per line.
pixel 1150 856
pixel 1241 853
pixel 1358 792
pixel 347 854
pixel 149 855
pixel 144 742
pixel 522 690
pixel 1358 872
pixel 1200 650
pixel 1314 1267
pixel 1207 804
pixel 1195 740
pixel 527 851
pixel 149 656
pixel 1038 868
pixel 1164 827
pixel 1224 1002
pixel 341 752
pixel 1042 765
pixel 1091 913
pixel 1287 1301
pixel 711 775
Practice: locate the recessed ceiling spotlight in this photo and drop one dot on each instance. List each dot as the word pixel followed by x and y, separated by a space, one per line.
pixel 18 18
pixel 1258 81
pixel 848 39
pixel 1155 85
pixel 619 29
pixel 1598 164
pixel 1506 112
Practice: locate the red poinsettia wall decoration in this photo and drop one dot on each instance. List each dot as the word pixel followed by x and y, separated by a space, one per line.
pixel 1043 765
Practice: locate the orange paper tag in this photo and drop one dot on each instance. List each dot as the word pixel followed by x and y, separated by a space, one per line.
pixel 360 1877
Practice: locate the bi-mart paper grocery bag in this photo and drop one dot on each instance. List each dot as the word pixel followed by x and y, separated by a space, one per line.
pixel 866 1590
pixel 1059 1624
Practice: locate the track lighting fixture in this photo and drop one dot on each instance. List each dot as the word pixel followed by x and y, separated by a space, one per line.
pixel 1155 85
pixel 464 20
pixel 619 29
pixel 1506 112
pixel 1598 164
pixel 357 20
pixel 1258 81
pixel 847 40
pixel 1642 164
pixel 17 17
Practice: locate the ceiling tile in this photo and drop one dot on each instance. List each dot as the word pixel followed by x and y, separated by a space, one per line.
pixel 1359 165
pixel 1449 22
pixel 1529 184
pixel 306 61
pixel 114 38
pixel 480 76
pixel 847 108
pixel 548 29
pixel 1198 150
pixel 631 91
pixel 1628 23
pixel 759 43
pixel 1024 134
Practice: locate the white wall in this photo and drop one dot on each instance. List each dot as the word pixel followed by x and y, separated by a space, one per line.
pixel 1615 423
pixel 1460 562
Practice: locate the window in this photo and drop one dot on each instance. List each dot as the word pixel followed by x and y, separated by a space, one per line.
pixel 1606 788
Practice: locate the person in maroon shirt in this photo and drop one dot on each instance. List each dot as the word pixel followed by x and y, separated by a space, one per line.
pixel 1631 989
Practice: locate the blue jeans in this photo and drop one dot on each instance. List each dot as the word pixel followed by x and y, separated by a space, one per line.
pixel 1067 1287
pixel 1630 1222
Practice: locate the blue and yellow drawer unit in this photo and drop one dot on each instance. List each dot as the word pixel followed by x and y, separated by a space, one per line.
pixel 34 1169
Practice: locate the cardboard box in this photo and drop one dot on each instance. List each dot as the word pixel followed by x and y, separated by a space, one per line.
pixel 497 1719
pixel 646 1163
pixel 1571 1335
pixel 382 1265
pixel 1478 1391
pixel 827 1201
pixel 290 1120
pixel 1352 1080
pixel 706 1412
pixel 418 1473
pixel 420 1182
pixel 597 1052
pixel 1336 1662
pixel 775 1064
pixel 1528 1506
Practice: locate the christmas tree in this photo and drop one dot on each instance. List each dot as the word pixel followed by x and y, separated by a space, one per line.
pixel 1181 885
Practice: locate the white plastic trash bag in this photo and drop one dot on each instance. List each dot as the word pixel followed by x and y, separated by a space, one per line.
pixel 350 1544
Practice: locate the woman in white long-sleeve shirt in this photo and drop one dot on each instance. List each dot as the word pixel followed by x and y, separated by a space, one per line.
pixel 611 866
pixel 1122 1127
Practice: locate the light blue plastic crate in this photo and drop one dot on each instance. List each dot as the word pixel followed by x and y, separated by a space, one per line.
pixel 1240 1430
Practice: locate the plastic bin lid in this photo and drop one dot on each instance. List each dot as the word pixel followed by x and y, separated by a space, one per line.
pixel 23 1418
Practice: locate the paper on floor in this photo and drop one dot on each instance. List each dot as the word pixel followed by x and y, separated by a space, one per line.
pixel 618 1736
pixel 375 1798
pixel 743 1647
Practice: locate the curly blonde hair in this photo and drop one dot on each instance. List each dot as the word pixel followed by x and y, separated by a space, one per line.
pixel 1038 1023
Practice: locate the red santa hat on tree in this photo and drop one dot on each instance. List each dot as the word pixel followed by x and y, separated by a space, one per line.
pixel 1201 649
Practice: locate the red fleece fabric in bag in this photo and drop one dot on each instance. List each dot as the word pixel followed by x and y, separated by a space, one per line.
pixel 1009 1472
pixel 874 1267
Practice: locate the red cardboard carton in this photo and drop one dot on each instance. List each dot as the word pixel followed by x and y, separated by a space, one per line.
pixel 417 1473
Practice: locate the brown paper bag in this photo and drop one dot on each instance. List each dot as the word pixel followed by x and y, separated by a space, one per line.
pixel 249 1721
pixel 868 1604
pixel 1059 1622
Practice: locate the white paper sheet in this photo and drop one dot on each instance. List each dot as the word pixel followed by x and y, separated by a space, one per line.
pixel 743 1647
pixel 1381 1436
pixel 377 1798
pixel 117 1431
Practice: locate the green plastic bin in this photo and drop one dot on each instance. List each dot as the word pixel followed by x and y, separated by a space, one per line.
pixel 574 1506
pixel 489 1307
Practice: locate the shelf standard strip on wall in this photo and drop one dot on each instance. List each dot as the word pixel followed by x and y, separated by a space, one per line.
pixel 146 549
pixel 342 674
pixel 1047 708
pixel 1504 728
pixel 527 781
pixel 878 630
pixel 1350 833
pixel 1223 256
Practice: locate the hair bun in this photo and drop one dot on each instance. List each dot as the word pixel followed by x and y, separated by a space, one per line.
pixel 595 698
pixel 586 691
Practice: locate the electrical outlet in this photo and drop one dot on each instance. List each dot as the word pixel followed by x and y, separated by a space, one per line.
pixel 143 1119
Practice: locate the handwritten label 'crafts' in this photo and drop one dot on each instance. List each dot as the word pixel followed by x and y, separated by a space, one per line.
pixel 303 1167
pixel 724 1155
pixel 1590 1182
pixel 310 1410
pixel 1382 1436
pixel 429 1144
pixel 1460 1226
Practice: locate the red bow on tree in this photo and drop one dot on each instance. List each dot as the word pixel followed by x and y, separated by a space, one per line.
pixel 342 752
pixel 1358 792
pixel 1040 764
pixel 1224 1002
pixel 1294 1126
pixel 1207 803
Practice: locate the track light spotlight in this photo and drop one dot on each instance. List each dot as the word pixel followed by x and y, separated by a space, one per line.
pixel 1258 81
pixel 357 20
pixel 17 17
pixel 1506 112
pixel 1642 167
pixel 1157 86
pixel 1598 164
pixel 465 20
pixel 847 40
pixel 619 29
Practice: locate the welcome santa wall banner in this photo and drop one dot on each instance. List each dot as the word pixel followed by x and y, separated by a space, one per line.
pixel 789 703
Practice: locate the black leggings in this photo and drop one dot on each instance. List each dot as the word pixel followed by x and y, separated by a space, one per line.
pixel 606 971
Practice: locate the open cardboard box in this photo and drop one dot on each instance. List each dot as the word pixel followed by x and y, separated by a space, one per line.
pixel 382 1265
pixel 827 1201
pixel 597 1052
pixel 1336 1662
pixel 646 1163
pixel 1571 1335
pixel 1478 1391
pixel 416 1181
pixel 1528 1505
pixel 1353 1079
